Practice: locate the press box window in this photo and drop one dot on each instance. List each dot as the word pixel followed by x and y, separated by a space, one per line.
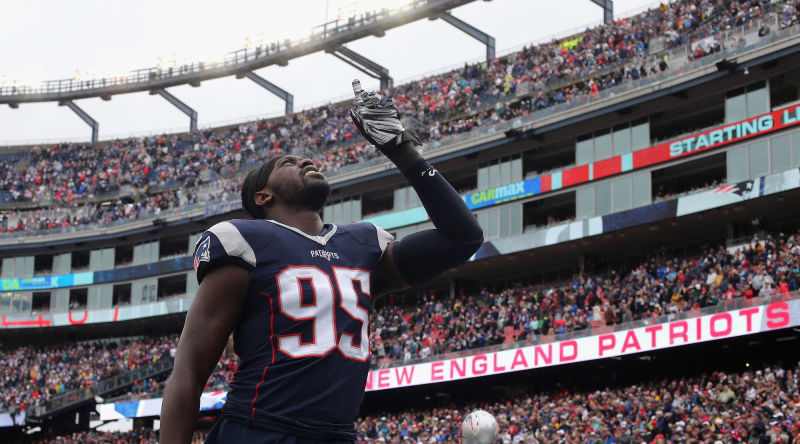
pixel 173 246
pixel 123 255
pixel 121 294
pixel 172 286
pixel 78 298
pixel 80 260
pixel 43 263
pixel 549 211
pixel 41 301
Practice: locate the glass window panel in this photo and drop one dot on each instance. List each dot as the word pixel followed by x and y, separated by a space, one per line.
pixel 584 152
pixel 622 141
pixel 357 209
pixel 505 173
pixel 622 194
pixel 641 195
pixel 640 136
pixel 516 219
pixel 483 221
pixel 399 199
pixel 494 176
pixel 602 198
pixel 796 148
pixel 483 178
pixel 757 102
pixel 337 213
pixel 326 214
pixel 602 147
pixel 516 170
pixel 736 161
pixel 584 201
pixel 413 199
pixel 735 108
pixel 409 196
pixel 347 211
pixel 15 303
pixel 780 155
pixel 21 303
pixel 5 302
pixel 505 221
pixel 759 159
pixel 493 228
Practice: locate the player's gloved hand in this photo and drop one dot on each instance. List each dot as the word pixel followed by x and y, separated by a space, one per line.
pixel 378 121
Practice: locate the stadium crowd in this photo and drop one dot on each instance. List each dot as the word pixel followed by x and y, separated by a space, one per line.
pixel 761 406
pixel 75 214
pixel 136 436
pixel 118 210
pixel 755 406
pixel 31 375
pixel 428 324
pixel 406 328
pixel 438 106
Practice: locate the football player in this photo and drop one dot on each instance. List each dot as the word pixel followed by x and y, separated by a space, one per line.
pixel 297 294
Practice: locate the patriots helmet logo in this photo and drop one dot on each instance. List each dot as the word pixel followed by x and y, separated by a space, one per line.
pixel 203 252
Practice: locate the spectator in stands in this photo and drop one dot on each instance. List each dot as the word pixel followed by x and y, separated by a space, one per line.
pixel 475 97
pixel 30 376
pixel 667 411
pixel 426 325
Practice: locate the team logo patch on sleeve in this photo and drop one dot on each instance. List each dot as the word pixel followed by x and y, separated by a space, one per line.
pixel 203 252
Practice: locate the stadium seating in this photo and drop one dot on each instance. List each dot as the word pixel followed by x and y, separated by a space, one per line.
pixel 137 436
pixel 439 106
pixel 68 187
pixel 662 284
pixel 720 407
pixel 31 375
pixel 414 328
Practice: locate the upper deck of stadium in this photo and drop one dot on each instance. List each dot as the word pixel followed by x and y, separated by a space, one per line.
pixel 561 176
pixel 518 96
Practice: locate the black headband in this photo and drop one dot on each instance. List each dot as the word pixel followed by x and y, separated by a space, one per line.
pixel 255 181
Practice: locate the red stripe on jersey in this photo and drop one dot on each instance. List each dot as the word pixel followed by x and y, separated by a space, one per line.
pixel 272 345
pixel 253 402
pixel 271 326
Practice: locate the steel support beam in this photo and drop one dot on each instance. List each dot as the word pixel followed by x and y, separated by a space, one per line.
pixel 364 65
pixel 273 88
pixel 85 117
pixel 608 9
pixel 472 31
pixel 180 105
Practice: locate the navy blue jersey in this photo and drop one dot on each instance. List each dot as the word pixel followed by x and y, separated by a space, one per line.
pixel 303 337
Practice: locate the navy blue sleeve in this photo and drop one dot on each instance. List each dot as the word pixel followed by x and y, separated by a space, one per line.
pixel 422 256
pixel 222 244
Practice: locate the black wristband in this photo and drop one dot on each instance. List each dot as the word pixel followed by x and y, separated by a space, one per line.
pixel 404 156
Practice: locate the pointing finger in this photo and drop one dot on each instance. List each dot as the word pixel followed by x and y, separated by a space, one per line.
pixel 357 87
pixel 358 92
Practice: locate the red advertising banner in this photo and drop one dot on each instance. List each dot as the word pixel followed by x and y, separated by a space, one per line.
pixel 714 138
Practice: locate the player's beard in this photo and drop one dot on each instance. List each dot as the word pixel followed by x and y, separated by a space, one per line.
pixel 314 194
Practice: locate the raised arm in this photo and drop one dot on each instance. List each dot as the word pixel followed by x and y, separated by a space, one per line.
pixel 457 234
pixel 209 322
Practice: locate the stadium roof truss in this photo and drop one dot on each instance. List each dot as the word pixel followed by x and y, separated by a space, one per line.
pixel 329 37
